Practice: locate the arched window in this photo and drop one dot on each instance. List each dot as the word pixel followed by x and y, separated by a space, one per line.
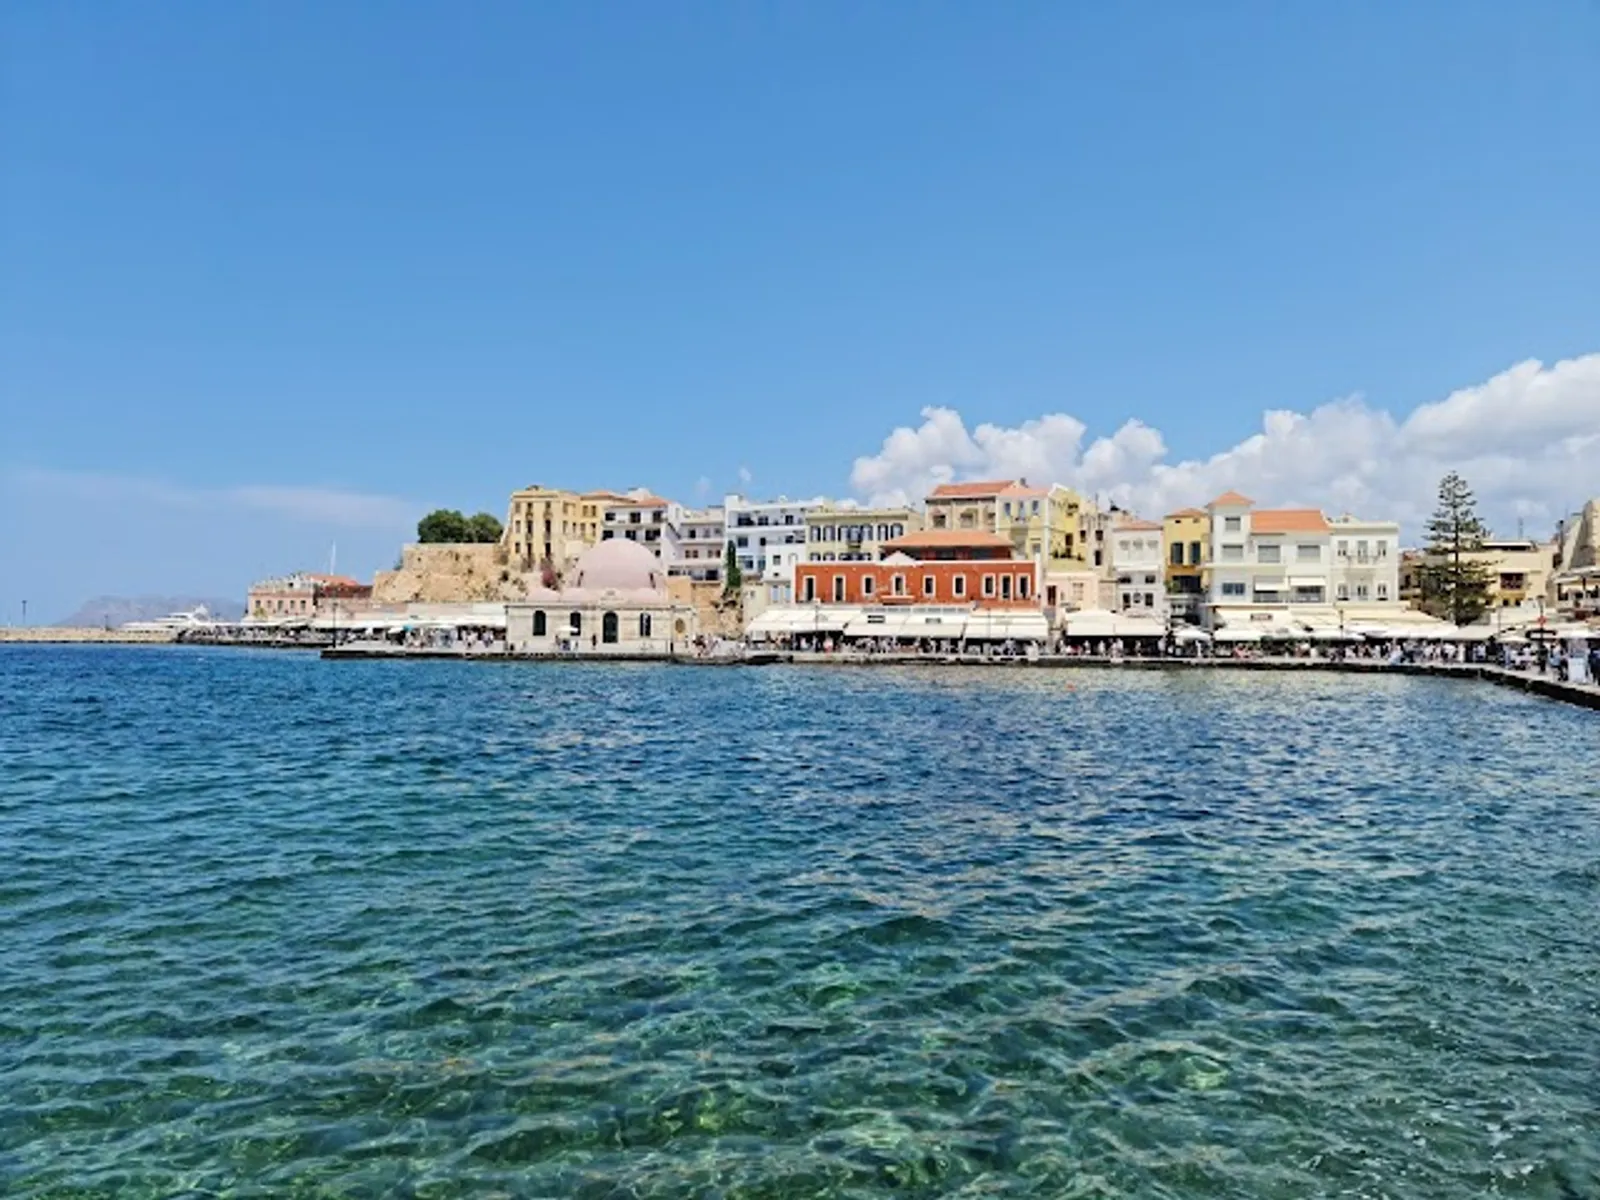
pixel 644 625
pixel 538 623
pixel 575 623
pixel 608 628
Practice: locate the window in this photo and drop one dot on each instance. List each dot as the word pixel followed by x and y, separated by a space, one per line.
pixel 1269 554
pixel 1233 589
pixel 1380 549
pixel 811 589
pixel 897 585
pixel 608 628
pixel 1344 591
pixel 539 623
pixel 1194 554
pixel 1383 589
pixel 1036 508
pixel 927 584
pixel 1022 587
pixel 959 585
pixel 866 585
pixel 575 623
pixel 939 520
pixel 644 625
pixel 1008 508
pixel 988 585
pixel 1233 553
pixel 1230 524
pixel 1308 552
pixel 838 589
pixel 1149 600
pixel 1361 591
pixel 1177 554
pixel 1005 587
pixel 743 543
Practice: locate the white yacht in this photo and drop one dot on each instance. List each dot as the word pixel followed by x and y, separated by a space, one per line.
pixel 178 622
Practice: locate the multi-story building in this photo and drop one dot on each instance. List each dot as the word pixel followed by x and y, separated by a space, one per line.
pixel 855 534
pixel 1366 561
pixel 693 543
pixel 972 507
pixel 637 517
pixel 768 536
pixel 1044 524
pixel 304 595
pixel 1518 570
pixel 1267 555
pixel 930 567
pixel 552 526
pixel 1137 560
pixel 1186 542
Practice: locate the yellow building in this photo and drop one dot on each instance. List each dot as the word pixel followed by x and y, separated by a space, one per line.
pixel 554 526
pixel 1043 524
pixel 1186 544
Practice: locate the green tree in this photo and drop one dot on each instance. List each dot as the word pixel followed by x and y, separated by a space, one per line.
pixel 1454 584
pixel 483 527
pixel 442 525
pixel 732 576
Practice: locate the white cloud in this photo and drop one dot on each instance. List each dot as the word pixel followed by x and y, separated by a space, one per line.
pixel 1527 440
pixel 745 477
pixel 316 505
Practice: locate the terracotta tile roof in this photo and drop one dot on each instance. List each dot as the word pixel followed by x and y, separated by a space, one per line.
pixel 1189 512
pixel 946 538
pixel 1019 489
pixel 1231 500
pixel 641 502
pixel 336 580
pixel 974 490
pixel 1140 526
pixel 1288 520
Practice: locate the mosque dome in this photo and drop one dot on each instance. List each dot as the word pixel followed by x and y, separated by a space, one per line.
pixel 617 565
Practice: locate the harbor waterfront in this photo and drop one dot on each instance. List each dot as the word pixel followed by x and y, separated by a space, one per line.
pixel 278 927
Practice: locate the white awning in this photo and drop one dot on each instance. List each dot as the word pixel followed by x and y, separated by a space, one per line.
pixel 935 623
pixel 1268 586
pixel 1308 581
pixel 1016 626
pixel 785 619
pixel 1237 635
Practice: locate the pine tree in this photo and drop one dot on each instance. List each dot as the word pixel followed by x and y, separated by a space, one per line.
pixel 732 576
pixel 1455 585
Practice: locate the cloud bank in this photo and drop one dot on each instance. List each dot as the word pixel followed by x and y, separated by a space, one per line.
pixel 1527 440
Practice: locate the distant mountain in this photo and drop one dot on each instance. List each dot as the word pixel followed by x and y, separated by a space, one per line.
pixel 112 611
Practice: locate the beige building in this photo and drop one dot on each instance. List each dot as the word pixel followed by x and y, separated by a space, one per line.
pixel 615 601
pixel 554 526
pixel 1186 547
pixel 855 534
pixel 1520 571
pixel 1045 524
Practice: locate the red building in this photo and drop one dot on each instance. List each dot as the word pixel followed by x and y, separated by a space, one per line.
pixel 955 567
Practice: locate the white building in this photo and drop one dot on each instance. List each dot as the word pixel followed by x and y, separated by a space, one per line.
pixel 1266 562
pixel 768 538
pixel 692 543
pixel 615 603
pixel 1137 560
pixel 1365 562
pixel 636 517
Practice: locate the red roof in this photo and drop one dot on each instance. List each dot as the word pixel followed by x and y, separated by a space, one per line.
pixel 1138 526
pixel 1188 512
pixel 1231 500
pixel 336 580
pixel 1288 520
pixel 975 490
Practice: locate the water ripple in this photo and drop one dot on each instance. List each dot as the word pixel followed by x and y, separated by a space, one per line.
pixel 270 926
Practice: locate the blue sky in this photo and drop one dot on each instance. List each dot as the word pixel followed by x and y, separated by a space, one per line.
pixel 280 275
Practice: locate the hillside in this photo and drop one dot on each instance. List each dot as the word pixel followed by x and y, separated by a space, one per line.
pixel 113 611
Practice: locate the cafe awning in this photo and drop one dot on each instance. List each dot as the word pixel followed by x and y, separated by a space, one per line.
pixel 1012 626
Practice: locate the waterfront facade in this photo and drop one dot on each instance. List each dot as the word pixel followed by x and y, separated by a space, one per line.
pixel 1136 559
pixel 1186 544
pixel 1518 571
pixel 855 534
pixel 304 595
pixel 1364 561
pixel 615 601
pixel 902 580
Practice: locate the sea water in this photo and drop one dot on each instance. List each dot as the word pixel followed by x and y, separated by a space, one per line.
pixel 272 926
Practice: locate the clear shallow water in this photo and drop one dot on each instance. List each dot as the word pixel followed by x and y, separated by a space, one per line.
pixel 276 927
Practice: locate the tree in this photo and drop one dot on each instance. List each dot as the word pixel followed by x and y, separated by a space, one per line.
pixel 1454 584
pixel 732 576
pixel 442 525
pixel 483 527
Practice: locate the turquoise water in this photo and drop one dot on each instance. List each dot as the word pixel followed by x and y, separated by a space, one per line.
pixel 276 927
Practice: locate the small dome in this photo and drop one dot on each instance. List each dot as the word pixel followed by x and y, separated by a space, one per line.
pixel 619 565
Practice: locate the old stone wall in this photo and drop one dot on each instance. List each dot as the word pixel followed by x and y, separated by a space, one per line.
pixel 447 573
